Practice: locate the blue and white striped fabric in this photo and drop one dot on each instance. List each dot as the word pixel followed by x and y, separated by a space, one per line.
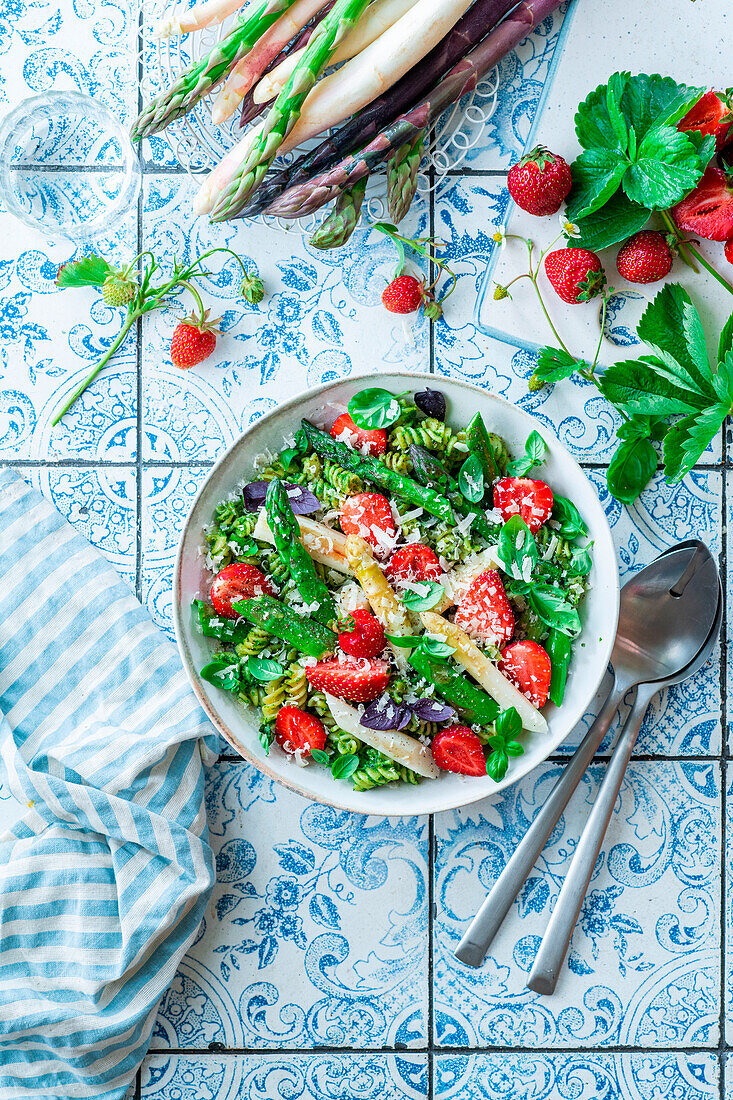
pixel 105 877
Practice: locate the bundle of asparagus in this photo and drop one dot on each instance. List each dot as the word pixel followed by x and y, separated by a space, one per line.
pixel 404 63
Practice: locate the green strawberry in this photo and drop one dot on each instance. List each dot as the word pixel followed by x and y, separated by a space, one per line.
pixel 118 290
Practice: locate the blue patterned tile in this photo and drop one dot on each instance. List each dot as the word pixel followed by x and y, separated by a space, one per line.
pixel 316 934
pixel 321 319
pixel 264 1077
pixel 728 919
pixel 643 968
pixel 573 1076
pixel 167 494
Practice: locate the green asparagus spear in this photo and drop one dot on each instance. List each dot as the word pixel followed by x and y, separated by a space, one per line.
pixel 215 626
pixel 336 229
pixel 427 469
pixel 301 632
pixel 479 444
pixel 476 705
pixel 294 555
pixel 402 177
pixel 286 109
pixel 559 646
pixel 200 77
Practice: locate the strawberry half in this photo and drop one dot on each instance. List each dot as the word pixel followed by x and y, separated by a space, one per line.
pixel 708 210
pixel 359 681
pixel 484 610
pixel 711 115
pixel 414 563
pixel 362 635
pixel 370 516
pixel 529 668
pixel 540 182
pixel 237 581
pixel 575 274
pixel 458 749
pixel 360 439
pixel 526 497
pixel 298 731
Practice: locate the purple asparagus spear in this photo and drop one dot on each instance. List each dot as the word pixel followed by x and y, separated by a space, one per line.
pixel 478 21
pixel 302 199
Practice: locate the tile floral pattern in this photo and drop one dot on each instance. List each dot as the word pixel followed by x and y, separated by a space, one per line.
pixel 324 967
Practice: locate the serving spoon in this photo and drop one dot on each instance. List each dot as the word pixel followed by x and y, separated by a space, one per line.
pixel 663 625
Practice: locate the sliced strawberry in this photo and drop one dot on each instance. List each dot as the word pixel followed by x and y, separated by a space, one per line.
pixel 526 497
pixel 369 515
pixel 458 749
pixel 362 635
pixel 238 581
pixel 298 731
pixel 414 563
pixel 366 442
pixel 708 210
pixel 484 610
pixel 710 115
pixel 529 668
pixel 728 250
pixel 357 680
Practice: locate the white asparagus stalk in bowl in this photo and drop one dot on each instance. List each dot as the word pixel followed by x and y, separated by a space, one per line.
pixel 208 14
pixel 398 746
pixel 250 68
pixel 378 17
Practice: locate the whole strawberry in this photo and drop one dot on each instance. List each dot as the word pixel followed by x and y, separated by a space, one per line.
pixel 403 295
pixel 645 258
pixel 118 290
pixel 576 274
pixel 193 340
pixel 540 182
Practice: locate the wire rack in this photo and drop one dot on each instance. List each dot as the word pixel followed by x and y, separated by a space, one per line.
pixel 198 144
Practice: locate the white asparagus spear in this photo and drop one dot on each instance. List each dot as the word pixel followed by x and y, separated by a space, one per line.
pixel 484 671
pixel 378 17
pixel 207 14
pixel 322 543
pixel 386 606
pixel 250 67
pixel 376 68
pixel 395 744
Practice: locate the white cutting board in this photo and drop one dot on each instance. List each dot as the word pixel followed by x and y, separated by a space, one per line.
pixel 689 40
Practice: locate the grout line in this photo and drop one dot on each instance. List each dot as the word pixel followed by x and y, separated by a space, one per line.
pixel 216 1050
pixel 430 1022
pixel 724 752
pixel 138 347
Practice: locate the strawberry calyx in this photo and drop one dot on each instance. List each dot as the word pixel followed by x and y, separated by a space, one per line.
pixel 201 321
pixel 591 285
pixel 540 155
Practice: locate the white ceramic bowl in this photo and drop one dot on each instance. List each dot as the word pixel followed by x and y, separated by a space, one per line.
pixel 599 610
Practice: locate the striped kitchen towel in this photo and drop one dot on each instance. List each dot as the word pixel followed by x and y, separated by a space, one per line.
pixel 105 876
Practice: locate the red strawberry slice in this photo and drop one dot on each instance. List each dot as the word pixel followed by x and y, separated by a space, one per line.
pixel 238 581
pixel 362 635
pixel 529 668
pixel 298 731
pixel 369 515
pixel 458 749
pixel 414 563
pixel 525 497
pixel 357 680
pixel 708 210
pixel 366 442
pixel 710 115
pixel 484 611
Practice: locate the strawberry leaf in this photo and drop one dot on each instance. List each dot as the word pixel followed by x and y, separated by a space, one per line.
pixel 618 219
pixel 553 365
pixel 87 271
pixel 594 125
pixel 686 440
pixel 639 386
pixel 667 167
pixel 649 101
pixel 672 328
pixel 597 175
pixel 725 343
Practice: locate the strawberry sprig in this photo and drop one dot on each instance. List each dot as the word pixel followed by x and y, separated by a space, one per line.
pixel 131 287
pixel 423 246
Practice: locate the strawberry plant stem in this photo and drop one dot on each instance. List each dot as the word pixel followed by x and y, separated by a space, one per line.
pixel 685 247
pixel 129 321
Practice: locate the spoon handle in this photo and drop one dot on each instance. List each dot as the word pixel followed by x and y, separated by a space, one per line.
pixel 484 926
pixel 556 940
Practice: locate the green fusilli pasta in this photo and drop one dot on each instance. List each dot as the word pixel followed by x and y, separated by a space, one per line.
pixel 257 639
pixel 397 460
pixel 296 686
pixel 343 481
pixel 273 699
pixel 342 743
pixel 377 769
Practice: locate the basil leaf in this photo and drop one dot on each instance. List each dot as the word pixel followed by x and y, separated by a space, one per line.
pixel 535 450
pixel 572 524
pixel 434 648
pixel 580 563
pixel 515 749
pixel 497 764
pixel 426 467
pixel 508 723
pixel 344 766
pixel 260 668
pixel 406 641
pixel 374 408
pixel 320 756
pixel 631 469
pixel 553 365
pixel 414 601
pixel 224 673
pixel 266 738
pixel 553 608
pixel 471 479
pixel 517 549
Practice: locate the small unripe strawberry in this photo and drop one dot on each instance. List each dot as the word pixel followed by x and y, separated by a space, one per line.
pixel 403 295
pixel 118 290
pixel 251 289
pixel 540 182
pixel 645 258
